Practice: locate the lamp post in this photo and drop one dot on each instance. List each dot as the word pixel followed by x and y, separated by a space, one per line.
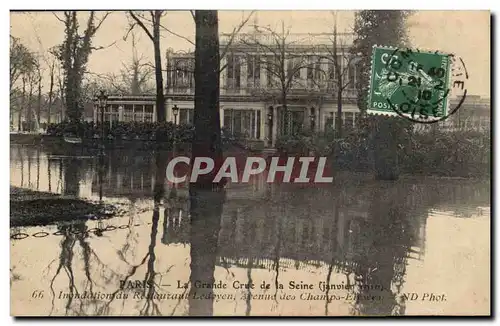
pixel 175 111
pixel 312 118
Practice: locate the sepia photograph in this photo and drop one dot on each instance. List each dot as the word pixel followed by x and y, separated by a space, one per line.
pixel 250 163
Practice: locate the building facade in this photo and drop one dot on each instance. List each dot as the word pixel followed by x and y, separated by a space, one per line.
pixel 261 74
pixel 256 75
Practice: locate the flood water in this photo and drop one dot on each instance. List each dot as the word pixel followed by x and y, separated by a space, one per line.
pixel 363 247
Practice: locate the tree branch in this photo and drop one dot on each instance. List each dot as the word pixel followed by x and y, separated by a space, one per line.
pixel 59 19
pixel 101 21
pixel 178 35
pixel 235 31
pixel 96 48
pixel 141 24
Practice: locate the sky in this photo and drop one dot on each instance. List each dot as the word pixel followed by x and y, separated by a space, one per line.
pixel 463 33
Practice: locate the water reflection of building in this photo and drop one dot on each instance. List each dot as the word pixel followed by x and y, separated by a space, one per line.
pixel 311 229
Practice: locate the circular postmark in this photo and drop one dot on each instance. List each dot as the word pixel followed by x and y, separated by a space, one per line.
pixel 423 87
pixel 427 84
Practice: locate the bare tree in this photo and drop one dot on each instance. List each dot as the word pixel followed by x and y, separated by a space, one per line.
pixel 151 26
pixel 38 74
pixel 340 62
pixel 282 59
pixel 22 61
pixel 133 79
pixel 186 65
pixel 52 69
pixel 32 80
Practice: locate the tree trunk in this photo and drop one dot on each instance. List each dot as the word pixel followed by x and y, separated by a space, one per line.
pixel 385 149
pixel 51 94
pixel 21 109
pixel 207 137
pixel 206 200
pixel 206 211
pixel 29 114
pixel 339 110
pixel 285 118
pixel 39 101
pixel 160 97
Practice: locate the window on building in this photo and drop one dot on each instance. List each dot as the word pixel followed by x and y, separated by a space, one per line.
pixel 148 113
pixel 485 123
pixel 348 119
pixel 253 70
pixel 128 112
pixel 293 69
pixel 351 75
pixel 138 112
pixel 330 122
pixel 310 68
pixel 230 66
pixel 331 71
pixel 242 123
pixel 318 74
pixel 271 65
pixel 233 71
pixel 183 73
pixel 186 116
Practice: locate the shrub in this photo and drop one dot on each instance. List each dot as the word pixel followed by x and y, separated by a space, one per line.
pixel 124 130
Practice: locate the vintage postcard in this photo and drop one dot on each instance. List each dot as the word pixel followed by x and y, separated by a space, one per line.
pixel 250 163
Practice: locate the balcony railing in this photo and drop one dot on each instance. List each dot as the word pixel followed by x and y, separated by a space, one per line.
pixel 293 39
pixel 307 89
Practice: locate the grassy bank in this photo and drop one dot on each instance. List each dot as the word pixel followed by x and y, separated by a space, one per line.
pixel 34 208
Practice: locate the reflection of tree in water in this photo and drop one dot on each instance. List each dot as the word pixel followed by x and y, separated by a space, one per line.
pixel 72 234
pixel 150 306
pixel 72 168
pixel 151 300
pixel 206 211
pixel 78 233
pixel 382 248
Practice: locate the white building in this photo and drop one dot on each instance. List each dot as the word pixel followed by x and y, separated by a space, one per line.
pixel 250 86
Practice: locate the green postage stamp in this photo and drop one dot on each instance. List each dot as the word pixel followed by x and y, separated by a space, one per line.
pixel 409 83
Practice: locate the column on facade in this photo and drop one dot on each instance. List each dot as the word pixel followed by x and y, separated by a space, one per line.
pixel 303 72
pixel 133 112
pixel 120 113
pixel 110 115
pixel 221 113
pixel 143 113
pixel 154 113
pixel 255 123
pixel 324 68
pixel 263 119
pixel 275 126
pixel 263 74
pixel 243 75
pixel 95 113
pixel 317 113
pixel 223 74
pixel 168 108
